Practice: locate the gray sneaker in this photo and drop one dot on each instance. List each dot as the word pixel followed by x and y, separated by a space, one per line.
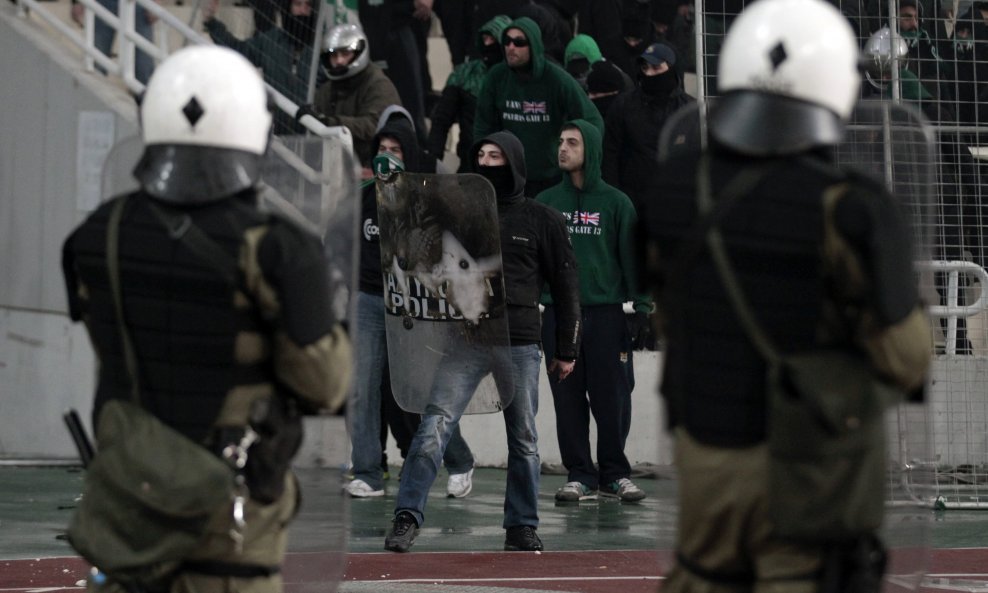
pixel 575 492
pixel 623 489
pixel 403 532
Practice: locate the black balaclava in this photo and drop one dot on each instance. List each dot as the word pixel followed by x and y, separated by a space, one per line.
pixel 603 104
pixel 659 85
pixel 501 177
pixel 491 54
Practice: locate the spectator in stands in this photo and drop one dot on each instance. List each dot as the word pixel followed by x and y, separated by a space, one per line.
pixel 673 22
pixel 604 83
pixel 284 54
pixel 635 121
pixel 536 251
pixel 264 13
pixel 637 32
pixel 391 28
pixel 924 57
pixel 581 53
pixel 459 99
pixel 967 57
pixel 397 149
pixel 881 54
pixel 557 31
pixel 602 227
pixel 531 97
pixel 357 91
pixel 104 35
pixel 601 19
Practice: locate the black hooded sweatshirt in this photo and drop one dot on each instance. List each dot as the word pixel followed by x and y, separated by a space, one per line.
pixel 535 250
pixel 416 161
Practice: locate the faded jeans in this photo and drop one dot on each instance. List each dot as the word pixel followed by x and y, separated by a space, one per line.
pixel 454 386
pixel 103 36
pixel 364 412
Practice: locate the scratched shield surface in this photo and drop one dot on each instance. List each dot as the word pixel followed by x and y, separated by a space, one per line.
pixel 444 295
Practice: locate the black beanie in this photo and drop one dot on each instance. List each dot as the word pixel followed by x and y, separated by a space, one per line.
pixel 604 77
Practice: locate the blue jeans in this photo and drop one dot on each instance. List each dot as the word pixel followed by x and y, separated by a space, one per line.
pixel 364 412
pixel 455 384
pixel 103 35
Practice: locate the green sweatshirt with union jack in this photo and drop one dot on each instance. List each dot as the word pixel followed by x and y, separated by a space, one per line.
pixel 603 228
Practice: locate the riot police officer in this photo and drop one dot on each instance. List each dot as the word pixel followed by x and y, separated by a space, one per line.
pixel 227 305
pixel 822 258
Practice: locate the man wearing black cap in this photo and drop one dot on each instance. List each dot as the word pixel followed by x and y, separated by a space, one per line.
pixel 631 131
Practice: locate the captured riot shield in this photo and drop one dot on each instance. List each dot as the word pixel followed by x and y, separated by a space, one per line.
pixel 312 182
pixel 117 175
pixel 894 145
pixel 443 289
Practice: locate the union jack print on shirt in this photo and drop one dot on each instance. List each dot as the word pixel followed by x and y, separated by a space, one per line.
pixel 533 107
pixel 592 218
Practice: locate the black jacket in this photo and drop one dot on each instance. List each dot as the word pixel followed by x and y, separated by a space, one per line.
pixel 821 256
pixel 631 139
pixel 535 250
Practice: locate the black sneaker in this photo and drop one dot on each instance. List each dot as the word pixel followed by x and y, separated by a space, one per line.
pixel 403 532
pixel 522 538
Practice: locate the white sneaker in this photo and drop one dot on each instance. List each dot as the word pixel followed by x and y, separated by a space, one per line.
pixel 361 489
pixel 459 485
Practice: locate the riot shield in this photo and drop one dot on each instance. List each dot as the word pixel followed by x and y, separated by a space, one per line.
pixel 314 183
pixel 117 177
pixel 444 289
pixel 894 145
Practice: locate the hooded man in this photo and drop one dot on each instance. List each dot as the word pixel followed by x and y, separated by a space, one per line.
pixel 635 121
pixel 535 251
pixel 605 82
pixel 397 149
pixel 531 97
pixel 458 102
pixel 581 53
pixel 602 225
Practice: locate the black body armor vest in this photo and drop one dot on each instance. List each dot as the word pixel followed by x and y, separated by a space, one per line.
pixel 714 378
pixel 181 311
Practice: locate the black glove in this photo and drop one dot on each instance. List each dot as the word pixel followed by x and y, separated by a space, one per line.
pixel 310 110
pixel 640 328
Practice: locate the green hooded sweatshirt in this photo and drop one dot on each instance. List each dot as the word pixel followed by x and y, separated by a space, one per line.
pixel 582 45
pixel 603 229
pixel 470 74
pixel 532 104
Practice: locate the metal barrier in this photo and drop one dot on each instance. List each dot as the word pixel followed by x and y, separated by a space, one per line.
pixel 336 138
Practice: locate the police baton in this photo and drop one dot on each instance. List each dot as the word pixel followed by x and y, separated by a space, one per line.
pixel 79 436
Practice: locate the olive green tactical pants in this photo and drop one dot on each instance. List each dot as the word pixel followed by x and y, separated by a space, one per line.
pixel 265 542
pixel 724 532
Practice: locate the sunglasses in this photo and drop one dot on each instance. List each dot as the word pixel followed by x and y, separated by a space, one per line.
pixel 515 41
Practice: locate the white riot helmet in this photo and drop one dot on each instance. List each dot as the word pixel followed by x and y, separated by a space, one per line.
pixel 881 54
pixel 206 124
pixel 788 76
pixel 345 37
